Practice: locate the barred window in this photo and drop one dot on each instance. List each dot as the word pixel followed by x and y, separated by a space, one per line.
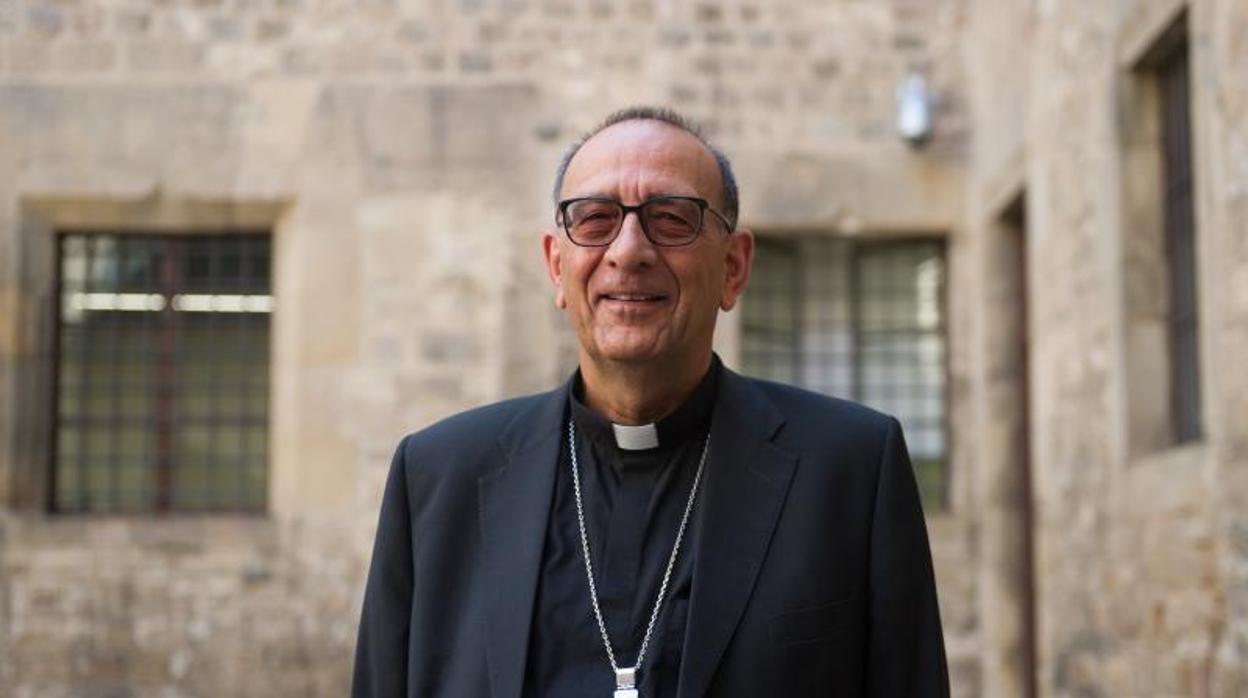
pixel 1180 233
pixel 859 320
pixel 162 373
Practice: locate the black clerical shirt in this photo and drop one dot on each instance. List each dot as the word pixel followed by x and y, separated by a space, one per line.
pixel 633 503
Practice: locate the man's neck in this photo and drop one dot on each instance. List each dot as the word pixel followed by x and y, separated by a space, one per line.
pixel 628 393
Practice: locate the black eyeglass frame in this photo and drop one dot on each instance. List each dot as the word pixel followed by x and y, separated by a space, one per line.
pixel 703 207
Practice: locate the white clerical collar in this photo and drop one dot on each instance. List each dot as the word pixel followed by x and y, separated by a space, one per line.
pixel 638 438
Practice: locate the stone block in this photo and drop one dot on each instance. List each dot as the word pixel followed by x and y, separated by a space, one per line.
pixel 272 28
pixel 114 148
pixel 519 60
pixel 708 12
pixel 707 64
pixel 84 57
pixel 88 21
pixel 493 31
pixel 10 21
pixel 475 62
pixel 45 21
pixel 302 61
pixel 224 28
pixel 161 56
pixel 443 348
pixel 674 37
pixel 513 8
pixel 683 94
pixel 131 22
pixel 641 10
pixel 412 31
pixel 762 39
pixel 561 10
pixel 720 37
pixel 432 61
pixel 600 11
pixel 29 57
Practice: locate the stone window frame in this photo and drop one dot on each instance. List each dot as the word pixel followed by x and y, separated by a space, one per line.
pixel 25 486
pixel 1148 39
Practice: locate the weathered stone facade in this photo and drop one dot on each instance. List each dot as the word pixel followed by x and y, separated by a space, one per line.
pixel 1139 572
pixel 402 152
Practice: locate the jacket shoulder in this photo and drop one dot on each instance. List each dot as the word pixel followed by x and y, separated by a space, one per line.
pixel 468 436
pixel 473 423
pixel 807 412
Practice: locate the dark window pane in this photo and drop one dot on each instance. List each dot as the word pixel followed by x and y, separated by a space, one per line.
pixel 864 321
pixel 163 346
pixel 770 341
pixel 900 311
pixel 1173 75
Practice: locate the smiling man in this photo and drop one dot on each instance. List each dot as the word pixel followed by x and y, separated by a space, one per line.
pixel 659 526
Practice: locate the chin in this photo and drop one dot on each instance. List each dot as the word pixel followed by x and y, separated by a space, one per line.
pixel 628 349
pixel 626 354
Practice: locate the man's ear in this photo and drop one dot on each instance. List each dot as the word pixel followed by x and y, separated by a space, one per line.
pixel 739 257
pixel 554 266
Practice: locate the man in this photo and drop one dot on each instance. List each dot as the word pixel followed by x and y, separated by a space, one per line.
pixel 659 526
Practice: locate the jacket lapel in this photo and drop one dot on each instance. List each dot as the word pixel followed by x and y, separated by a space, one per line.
pixel 747 478
pixel 515 508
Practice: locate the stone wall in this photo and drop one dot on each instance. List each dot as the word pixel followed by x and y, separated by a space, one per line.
pixel 1139 558
pixel 381 327
pixel 401 153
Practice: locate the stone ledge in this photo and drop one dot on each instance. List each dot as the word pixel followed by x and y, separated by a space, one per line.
pixel 190 533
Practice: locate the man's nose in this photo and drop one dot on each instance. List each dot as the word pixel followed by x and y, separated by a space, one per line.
pixel 631 247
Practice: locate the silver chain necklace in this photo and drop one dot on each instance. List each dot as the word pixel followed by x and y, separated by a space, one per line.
pixel 626 677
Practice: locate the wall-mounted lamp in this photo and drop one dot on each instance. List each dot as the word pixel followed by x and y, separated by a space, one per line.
pixel 914 110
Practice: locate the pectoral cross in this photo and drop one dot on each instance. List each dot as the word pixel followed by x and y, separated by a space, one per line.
pixel 626 682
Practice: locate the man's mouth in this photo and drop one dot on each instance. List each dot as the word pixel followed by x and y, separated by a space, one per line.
pixel 634 297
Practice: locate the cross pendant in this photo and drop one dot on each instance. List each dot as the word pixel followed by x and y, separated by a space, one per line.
pixel 626 682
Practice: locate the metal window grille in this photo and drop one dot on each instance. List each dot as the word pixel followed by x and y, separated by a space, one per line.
pixel 860 320
pixel 162 373
pixel 1180 234
pixel 899 329
pixel 770 323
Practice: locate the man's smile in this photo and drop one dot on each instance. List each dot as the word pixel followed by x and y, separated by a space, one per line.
pixel 631 307
pixel 633 297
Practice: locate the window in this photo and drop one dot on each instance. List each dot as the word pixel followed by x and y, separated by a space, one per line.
pixel 1180 248
pixel 1160 242
pixel 162 361
pixel 859 320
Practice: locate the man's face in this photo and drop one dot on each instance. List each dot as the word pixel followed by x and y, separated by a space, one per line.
pixel 633 301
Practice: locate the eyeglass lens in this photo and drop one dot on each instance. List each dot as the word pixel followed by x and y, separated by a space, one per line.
pixel 666 221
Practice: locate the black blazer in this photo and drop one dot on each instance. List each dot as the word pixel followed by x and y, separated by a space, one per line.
pixel 813 575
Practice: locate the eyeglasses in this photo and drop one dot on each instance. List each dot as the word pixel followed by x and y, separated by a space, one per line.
pixel 667 221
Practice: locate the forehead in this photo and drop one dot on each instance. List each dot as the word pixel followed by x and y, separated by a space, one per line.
pixel 639 159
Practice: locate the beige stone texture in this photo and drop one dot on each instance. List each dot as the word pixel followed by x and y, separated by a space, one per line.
pixel 1138 580
pixel 402 153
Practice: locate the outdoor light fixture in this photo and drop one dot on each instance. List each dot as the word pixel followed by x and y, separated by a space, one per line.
pixel 914 110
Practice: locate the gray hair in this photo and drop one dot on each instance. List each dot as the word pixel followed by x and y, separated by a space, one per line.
pixel 728 182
